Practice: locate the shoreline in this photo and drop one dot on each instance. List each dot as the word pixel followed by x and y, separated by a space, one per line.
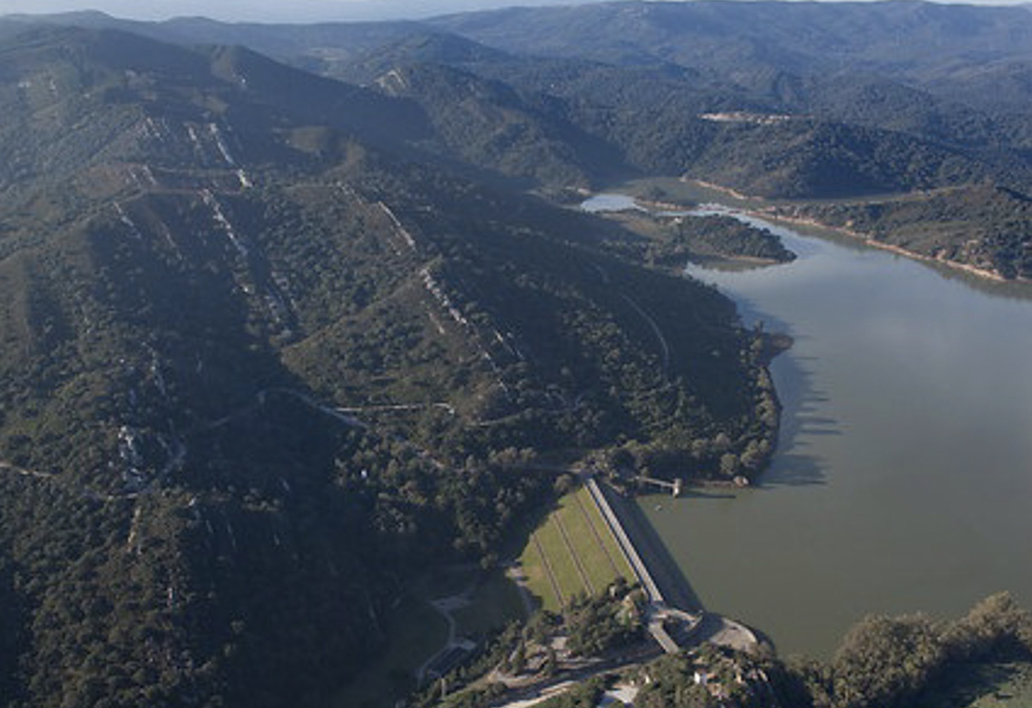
pixel 766 213
pixel 664 206
pixel 722 189
pixel 771 212
pixel 703 259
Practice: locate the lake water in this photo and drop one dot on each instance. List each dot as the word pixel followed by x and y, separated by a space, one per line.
pixel 903 479
pixel 610 202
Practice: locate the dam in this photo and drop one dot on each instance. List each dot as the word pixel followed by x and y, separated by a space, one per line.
pixel 675 618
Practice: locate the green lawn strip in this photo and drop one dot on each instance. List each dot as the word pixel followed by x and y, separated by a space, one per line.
pixel 584 520
pixel 533 567
pixel 599 523
pixel 495 603
pixel 562 563
pixel 576 546
pixel 592 555
pixel 415 632
pixel 590 538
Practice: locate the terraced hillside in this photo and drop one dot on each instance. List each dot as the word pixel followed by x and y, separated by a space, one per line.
pixel 572 553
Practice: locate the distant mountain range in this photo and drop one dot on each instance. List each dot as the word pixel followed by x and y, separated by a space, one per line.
pixel 943 103
pixel 270 11
pixel 289 314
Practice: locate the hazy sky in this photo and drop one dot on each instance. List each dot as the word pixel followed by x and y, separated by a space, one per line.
pixel 288 10
pixel 280 10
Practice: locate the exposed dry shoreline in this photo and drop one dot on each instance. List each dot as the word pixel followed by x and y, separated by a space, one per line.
pixel 769 213
pixel 724 190
pixel 703 258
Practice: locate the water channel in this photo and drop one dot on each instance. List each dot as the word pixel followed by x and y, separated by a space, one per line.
pixel 903 479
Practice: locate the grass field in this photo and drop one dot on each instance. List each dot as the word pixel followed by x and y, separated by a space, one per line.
pixel 571 552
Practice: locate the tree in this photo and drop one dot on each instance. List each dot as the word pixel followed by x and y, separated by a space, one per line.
pixel 551 661
pixel 883 661
pixel 729 464
pixel 996 625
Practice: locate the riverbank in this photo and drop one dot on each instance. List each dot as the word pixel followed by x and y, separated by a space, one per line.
pixel 724 190
pixel 731 261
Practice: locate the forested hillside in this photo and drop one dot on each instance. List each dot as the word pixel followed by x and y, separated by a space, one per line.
pixel 772 100
pixel 290 314
pixel 982 225
pixel 264 360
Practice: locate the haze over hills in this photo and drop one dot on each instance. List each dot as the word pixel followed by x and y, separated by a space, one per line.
pixel 623 67
pixel 266 10
pixel 290 313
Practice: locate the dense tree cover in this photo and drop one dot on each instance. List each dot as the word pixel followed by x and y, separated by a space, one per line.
pixel 610 620
pixel 708 677
pixel 600 88
pixel 584 695
pixel 886 661
pixel 889 662
pixel 236 584
pixel 984 225
pixel 571 346
pixel 747 37
pixel 678 240
pixel 564 130
pixel 490 124
pixel 591 627
pixel 259 373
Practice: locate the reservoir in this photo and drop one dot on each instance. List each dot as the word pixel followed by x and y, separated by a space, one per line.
pixel 903 478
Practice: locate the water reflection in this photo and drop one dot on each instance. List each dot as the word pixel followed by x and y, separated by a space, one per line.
pixel 601 203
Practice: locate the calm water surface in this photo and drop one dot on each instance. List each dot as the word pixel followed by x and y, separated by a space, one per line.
pixel 903 480
pixel 610 202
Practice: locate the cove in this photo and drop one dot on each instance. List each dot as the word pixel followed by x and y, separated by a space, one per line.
pixel 903 477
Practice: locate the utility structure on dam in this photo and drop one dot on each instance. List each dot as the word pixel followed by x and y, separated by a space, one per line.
pixel 675 488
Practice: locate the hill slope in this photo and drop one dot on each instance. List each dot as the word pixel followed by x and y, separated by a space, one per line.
pixel 261 367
